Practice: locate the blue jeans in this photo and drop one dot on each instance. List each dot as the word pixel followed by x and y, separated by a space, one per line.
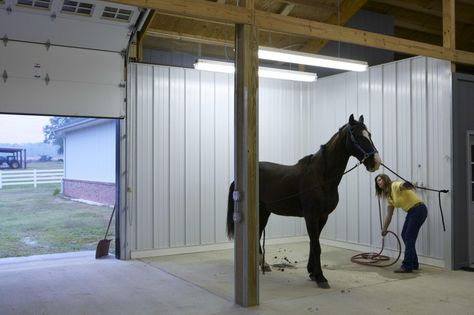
pixel 415 218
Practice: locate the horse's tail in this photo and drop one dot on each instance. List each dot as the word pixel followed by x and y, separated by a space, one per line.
pixel 230 212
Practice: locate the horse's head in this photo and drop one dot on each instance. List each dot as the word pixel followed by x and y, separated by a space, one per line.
pixel 359 144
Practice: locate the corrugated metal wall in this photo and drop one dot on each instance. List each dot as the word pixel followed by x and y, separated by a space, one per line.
pixel 407 108
pixel 181 152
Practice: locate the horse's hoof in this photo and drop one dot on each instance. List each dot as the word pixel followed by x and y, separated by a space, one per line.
pixel 323 285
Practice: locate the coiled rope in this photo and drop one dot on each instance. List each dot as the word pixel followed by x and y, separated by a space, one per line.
pixel 373 258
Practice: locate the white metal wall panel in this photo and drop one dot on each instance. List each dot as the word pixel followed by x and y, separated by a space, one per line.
pixel 82 82
pixel 160 157
pixel 364 183
pixel 351 188
pixel 389 132
pixel 182 153
pixel 406 106
pixel 144 186
pixel 420 141
pixel 193 141
pixel 177 162
pixel 207 151
pixel 375 125
pixel 224 89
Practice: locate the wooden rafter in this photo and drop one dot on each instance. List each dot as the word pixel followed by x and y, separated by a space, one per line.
pixel 312 4
pixel 287 9
pixel 294 26
pixel 346 11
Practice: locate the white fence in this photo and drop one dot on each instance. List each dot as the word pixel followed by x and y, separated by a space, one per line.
pixel 30 177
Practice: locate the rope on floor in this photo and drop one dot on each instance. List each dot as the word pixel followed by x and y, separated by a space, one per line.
pixel 373 258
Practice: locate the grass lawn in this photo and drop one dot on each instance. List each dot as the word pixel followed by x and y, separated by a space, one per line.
pixel 35 221
pixel 49 165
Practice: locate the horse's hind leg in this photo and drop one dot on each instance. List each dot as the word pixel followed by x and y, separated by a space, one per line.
pixel 263 219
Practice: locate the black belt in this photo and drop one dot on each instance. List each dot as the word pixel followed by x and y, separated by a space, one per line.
pixel 416 205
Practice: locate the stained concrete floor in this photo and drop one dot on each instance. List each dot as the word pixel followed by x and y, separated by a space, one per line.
pixel 202 283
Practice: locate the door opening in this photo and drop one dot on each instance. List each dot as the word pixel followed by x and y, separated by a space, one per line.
pixel 470 195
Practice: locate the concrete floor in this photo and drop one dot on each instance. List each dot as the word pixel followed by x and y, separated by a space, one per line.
pixel 202 283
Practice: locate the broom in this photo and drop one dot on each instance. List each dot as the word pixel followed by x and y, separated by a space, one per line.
pixel 103 246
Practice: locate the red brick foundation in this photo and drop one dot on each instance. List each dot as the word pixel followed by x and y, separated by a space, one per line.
pixel 88 190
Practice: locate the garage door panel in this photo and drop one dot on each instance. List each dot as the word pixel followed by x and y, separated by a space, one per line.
pixel 61 81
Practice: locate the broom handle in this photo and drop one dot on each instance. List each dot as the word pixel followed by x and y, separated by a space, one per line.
pixel 110 221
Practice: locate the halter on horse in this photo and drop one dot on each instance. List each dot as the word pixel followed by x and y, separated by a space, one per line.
pixel 309 188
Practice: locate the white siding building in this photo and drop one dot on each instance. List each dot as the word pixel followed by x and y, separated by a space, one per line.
pixel 89 160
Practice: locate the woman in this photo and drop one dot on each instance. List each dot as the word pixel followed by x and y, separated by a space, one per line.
pixel 401 195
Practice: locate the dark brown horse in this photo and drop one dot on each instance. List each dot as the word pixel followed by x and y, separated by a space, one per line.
pixel 309 188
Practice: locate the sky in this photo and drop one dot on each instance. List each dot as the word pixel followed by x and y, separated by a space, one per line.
pixel 22 128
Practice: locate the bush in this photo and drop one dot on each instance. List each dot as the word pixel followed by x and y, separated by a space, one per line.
pixel 56 191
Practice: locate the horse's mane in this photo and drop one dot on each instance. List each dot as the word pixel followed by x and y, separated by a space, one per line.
pixel 323 146
pixel 307 159
pixel 358 124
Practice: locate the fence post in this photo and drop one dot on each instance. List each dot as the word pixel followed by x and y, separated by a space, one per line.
pixel 1 179
pixel 34 177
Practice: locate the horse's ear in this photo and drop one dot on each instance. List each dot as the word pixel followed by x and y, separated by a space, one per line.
pixel 351 120
pixel 361 119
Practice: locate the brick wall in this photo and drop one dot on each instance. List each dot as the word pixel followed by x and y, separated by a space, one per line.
pixel 89 190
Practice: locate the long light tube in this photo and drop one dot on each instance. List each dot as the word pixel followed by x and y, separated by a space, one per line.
pixel 264 72
pixel 310 59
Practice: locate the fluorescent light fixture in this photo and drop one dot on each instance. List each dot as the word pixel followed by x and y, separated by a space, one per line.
pixel 311 59
pixel 284 74
pixel 264 72
pixel 215 66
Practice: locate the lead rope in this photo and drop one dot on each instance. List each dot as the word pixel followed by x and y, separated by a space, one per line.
pixel 439 191
pixel 370 259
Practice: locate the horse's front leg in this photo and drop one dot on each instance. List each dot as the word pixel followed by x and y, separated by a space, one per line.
pixel 314 227
pixel 264 215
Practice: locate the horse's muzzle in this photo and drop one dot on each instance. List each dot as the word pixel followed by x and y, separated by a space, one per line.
pixel 373 162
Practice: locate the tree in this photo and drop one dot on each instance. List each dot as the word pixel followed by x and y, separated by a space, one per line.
pixel 50 131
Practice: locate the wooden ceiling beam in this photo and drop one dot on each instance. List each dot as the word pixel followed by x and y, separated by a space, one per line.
pixel 197 9
pixel 312 4
pixel 346 11
pixel 294 26
pixel 190 38
pixel 287 9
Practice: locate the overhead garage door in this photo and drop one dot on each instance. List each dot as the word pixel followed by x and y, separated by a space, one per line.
pixel 57 60
pixel 60 81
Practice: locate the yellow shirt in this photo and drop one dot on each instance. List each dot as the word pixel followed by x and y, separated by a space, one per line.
pixel 404 199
